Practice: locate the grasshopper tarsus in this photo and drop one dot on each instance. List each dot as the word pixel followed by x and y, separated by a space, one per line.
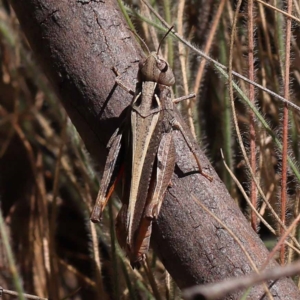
pixel 200 168
pixel 96 214
pixel 210 178
pixel 151 212
pixel 115 71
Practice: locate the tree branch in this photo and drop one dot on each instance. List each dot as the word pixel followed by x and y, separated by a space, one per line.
pixel 78 43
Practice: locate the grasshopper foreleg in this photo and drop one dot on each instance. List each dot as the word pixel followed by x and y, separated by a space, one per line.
pixel 120 83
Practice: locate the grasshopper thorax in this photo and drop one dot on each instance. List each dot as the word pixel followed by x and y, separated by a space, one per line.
pixel 154 68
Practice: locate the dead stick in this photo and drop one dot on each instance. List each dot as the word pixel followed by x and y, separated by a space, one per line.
pixel 221 289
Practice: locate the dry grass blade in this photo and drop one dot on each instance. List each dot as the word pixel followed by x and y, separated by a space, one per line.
pixel 285 123
pixel 281 241
pixel 208 45
pixel 287 14
pixel 183 59
pixel 252 131
pixel 11 261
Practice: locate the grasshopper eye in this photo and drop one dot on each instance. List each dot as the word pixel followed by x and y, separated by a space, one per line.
pixel 162 65
pixel 142 63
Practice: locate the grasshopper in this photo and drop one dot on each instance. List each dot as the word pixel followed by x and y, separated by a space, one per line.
pixel 142 153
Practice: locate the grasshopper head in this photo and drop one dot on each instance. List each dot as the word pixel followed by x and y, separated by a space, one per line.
pixel 154 68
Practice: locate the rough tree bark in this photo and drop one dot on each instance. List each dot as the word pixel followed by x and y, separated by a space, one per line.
pixel 77 43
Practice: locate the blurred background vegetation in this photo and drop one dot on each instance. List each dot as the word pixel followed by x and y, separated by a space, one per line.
pixel 48 245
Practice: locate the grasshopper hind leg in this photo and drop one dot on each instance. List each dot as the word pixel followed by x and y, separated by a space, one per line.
pixel 176 125
pixel 109 178
pixel 166 156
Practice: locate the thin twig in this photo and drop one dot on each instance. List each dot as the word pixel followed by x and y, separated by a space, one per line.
pixel 52 221
pixel 22 296
pixel 253 191
pixel 10 258
pixel 97 263
pixel 77 273
pixel 285 125
pixel 287 14
pixel 221 289
pixel 208 45
pixel 151 278
pixel 149 30
pixel 182 58
pixel 281 241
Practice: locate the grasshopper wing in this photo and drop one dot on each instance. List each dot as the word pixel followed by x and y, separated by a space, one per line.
pixel 166 157
pixel 162 173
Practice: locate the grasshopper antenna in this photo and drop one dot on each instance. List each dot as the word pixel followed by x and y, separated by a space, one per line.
pixel 143 42
pixel 161 41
